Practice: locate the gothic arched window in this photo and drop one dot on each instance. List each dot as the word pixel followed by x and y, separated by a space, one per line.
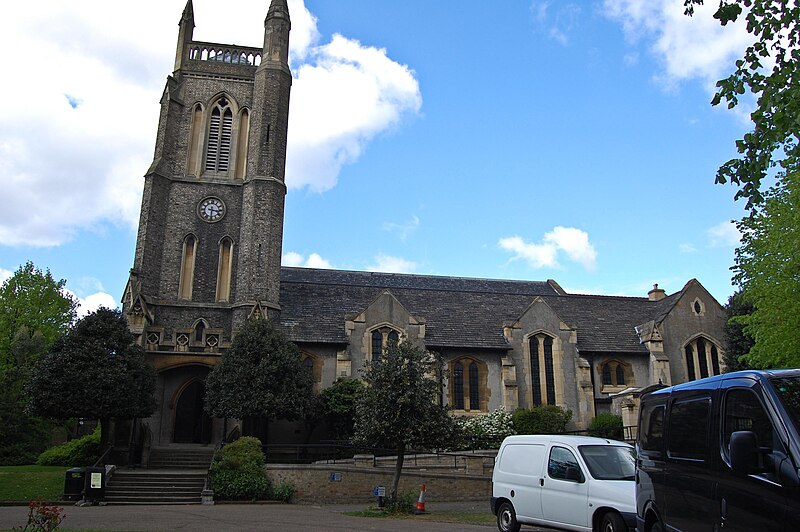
pixel 224 270
pixel 220 129
pixel 615 373
pixel 701 355
pixel 467 384
pixel 195 139
pixel 543 385
pixel 187 267
pixel 382 338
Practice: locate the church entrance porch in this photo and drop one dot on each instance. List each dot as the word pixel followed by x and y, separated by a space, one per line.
pixel 180 418
pixel 192 424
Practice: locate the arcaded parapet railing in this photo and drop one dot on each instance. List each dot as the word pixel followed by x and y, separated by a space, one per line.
pixel 235 55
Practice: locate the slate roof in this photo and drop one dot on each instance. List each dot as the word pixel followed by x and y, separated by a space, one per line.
pixel 458 312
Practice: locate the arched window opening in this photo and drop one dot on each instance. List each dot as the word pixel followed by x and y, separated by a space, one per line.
pixel 241 145
pixel 690 363
pixel 377 347
pixel 458 386
pixel 381 339
pixel 701 355
pixel 607 381
pixel 187 267
pixel 224 270
pixel 218 151
pixel 543 380
pixel 466 385
pixel 620 375
pixel 195 139
pixel 199 330
pixel 615 374
pixel 474 387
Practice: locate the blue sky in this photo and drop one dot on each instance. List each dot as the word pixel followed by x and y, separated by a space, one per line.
pixel 519 139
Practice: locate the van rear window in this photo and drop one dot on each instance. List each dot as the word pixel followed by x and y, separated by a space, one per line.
pixel 688 429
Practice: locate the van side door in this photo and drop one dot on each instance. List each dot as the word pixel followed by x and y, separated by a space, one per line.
pixel 756 501
pixel 565 498
pixel 689 480
pixel 519 471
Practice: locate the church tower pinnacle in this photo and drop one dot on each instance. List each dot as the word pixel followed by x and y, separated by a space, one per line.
pixel 185 32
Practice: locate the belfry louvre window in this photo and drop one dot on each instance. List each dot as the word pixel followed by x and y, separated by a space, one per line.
pixel 220 129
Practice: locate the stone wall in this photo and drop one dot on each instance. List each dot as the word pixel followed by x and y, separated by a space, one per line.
pixel 348 483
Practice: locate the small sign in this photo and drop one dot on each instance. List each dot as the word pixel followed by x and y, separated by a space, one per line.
pixel 379 491
pixel 336 477
pixel 96 481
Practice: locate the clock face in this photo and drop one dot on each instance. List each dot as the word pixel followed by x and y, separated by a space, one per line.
pixel 211 209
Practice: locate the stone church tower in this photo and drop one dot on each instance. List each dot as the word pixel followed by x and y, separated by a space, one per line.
pixel 208 250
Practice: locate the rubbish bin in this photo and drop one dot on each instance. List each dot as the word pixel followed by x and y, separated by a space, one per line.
pixel 94 489
pixel 73 483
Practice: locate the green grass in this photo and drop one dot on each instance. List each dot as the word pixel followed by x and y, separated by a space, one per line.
pixel 437 517
pixel 25 483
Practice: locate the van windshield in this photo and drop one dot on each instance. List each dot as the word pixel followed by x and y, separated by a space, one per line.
pixel 609 462
pixel 788 389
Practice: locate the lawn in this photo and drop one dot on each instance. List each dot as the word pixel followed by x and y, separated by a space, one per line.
pixel 25 483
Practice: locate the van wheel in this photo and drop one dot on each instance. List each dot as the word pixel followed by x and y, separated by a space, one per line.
pixel 612 522
pixel 507 518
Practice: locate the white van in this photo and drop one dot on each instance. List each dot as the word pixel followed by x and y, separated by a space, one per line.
pixel 568 482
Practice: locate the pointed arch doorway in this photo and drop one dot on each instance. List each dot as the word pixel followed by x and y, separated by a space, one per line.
pixel 192 424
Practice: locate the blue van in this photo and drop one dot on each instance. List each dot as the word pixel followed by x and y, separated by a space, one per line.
pixel 720 454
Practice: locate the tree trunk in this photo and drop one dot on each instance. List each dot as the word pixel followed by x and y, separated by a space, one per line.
pixel 398 469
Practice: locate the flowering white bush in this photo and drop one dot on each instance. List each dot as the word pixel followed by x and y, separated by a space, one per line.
pixel 489 428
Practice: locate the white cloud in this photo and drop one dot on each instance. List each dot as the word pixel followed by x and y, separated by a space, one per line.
pixel 389 264
pixel 687 248
pixel 404 229
pixel 696 47
pixel 93 302
pixel 724 234
pixel 314 260
pixel 559 22
pixel 74 161
pixel 5 275
pixel 569 240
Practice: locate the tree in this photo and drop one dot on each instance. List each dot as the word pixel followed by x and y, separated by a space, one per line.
pixel 739 343
pixel 260 376
pixel 339 406
pixel 96 371
pixel 33 300
pixel 768 270
pixel 398 409
pixel 770 71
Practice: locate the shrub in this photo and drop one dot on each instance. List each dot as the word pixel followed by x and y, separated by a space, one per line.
pixel 238 474
pixel 544 419
pixel 79 452
pixel 486 430
pixel 607 426
pixel 283 491
pixel 403 504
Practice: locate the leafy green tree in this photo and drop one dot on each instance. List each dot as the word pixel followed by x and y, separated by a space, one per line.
pixel 739 342
pixel 260 376
pixel 339 406
pixel 770 71
pixel 768 270
pixel 33 300
pixel 95 371
pixel 398 409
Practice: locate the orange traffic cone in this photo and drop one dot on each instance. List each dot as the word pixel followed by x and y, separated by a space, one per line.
pixel 420 509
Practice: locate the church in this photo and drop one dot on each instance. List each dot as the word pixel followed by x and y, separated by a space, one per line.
pixel 208 257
